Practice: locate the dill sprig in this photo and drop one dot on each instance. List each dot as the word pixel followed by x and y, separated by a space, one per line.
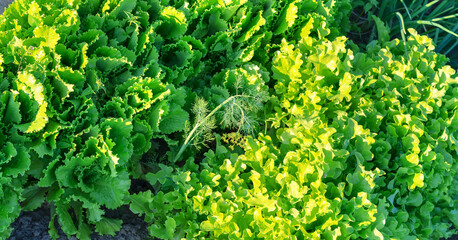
pixel 236 113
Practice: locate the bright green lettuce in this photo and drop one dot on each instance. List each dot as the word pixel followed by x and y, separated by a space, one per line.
pixel 352 152
pixel 67 122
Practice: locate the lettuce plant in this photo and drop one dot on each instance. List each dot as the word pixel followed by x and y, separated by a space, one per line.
pixel 378 106
pixel 79 91
pixel 351 152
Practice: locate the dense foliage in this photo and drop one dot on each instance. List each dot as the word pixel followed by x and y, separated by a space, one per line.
pixel 249 119
pixel 436 19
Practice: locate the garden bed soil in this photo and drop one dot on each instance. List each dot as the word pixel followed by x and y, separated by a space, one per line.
pixel 34 226
pixel 4 4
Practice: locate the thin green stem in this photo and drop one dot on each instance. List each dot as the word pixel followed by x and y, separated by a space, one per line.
pixel 440 8
pixel 403 31
pixel 436 25
pixel 407 9
pixel 445 17
pixel 423 8
pixel 445 40
pixel 436 36
pixel 451 48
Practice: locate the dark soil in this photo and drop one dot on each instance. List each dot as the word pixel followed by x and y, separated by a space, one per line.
pixel 4 4
pixel 34 226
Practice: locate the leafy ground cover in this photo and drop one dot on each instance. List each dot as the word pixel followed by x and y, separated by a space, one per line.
pixel 246 119
pixel 436 19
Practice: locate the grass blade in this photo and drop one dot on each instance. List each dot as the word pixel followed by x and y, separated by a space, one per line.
pixel 445 17
pixel 451 48
pixel 436 25
pixel 382 9
pixel 403 31
pixel 407 9
pixel 436 35
pixel 441 6
pixel 423 9
pixel 446 39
